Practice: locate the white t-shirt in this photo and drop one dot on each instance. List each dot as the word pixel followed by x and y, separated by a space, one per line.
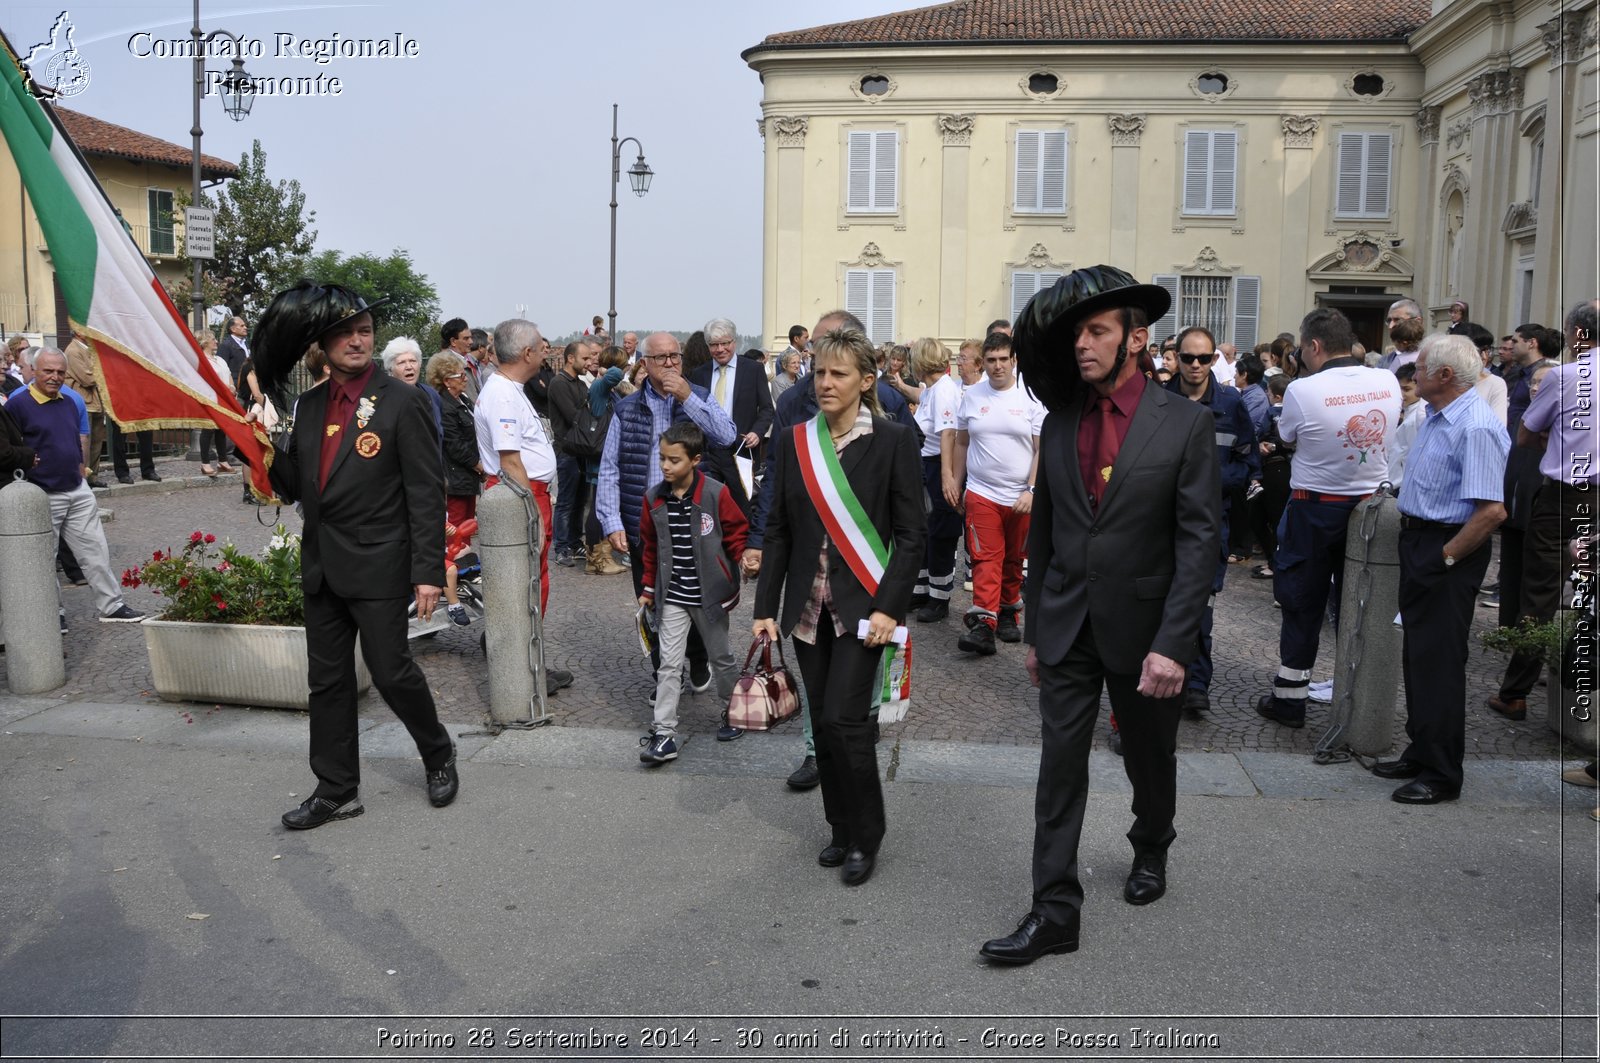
pixel 936 412
pixel 1340 421
pixel 505 421
pixel 1001 427
pixel 1224 371
pixel 1492 390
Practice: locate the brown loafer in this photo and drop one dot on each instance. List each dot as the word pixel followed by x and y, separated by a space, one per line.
pixel 1510 708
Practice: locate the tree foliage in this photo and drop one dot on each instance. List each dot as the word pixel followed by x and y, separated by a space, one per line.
pixel 414 302
pixel 263 231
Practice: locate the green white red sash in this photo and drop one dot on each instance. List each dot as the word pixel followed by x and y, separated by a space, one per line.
pixel 842 514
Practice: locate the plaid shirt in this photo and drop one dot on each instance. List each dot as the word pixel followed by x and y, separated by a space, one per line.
pixel 805 630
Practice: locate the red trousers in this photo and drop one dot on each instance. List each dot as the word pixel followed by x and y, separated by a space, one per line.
pixel 997 541
pixel 458 509
pixel 541 496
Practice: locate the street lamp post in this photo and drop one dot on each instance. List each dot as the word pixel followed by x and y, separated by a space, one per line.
pixel 237 96
pixel 639 176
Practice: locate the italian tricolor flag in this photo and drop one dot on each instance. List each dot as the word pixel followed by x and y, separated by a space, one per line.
pixel 149 368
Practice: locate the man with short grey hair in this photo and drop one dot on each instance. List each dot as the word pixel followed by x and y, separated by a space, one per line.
pixel 739 387
pixel 1450 504
pixel 51 427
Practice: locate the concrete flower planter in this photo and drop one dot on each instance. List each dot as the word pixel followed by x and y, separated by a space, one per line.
pixel 1558 714
pixel 236 664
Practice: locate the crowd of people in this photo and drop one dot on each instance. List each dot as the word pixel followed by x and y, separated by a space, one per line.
pixel 1092 483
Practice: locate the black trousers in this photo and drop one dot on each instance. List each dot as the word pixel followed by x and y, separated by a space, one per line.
pixel 1069 702
pixel 119 450
pixel 839 674
pixel 1511 540
pixel 1436 604
pixel 332 623
pixel 1559 511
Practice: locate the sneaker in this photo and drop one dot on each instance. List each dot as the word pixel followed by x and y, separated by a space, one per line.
pixel 315 811
pixel 123 615
pixel 658 749
pixel 700 678
pixel 1005 628
pixel 978 638
pixel 936 610
pixel 727 733
pixel 1492 601
pixel 1322 692
pixel 567 558
pixel 458 614
pixel 63 618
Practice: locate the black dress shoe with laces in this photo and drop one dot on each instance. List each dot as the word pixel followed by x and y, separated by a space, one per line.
pixel 833 855
pixel 1397 769
pixel 315 811
pixel 1147 881
pixel 857 867
pixel 806 777
pixel 444 784
pixel 1422 793
pixel 1035 936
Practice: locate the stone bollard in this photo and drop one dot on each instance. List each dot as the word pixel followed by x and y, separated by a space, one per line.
pixel 1366 674
pixel 516 685
pixel 29 597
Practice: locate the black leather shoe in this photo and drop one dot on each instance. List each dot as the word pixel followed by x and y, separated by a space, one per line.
pixel 124 478
pixel 857 867
pixel 936 610
pixel 1266 705
pixel 978 638
pixel 152 477
pixel 1397 769
pixel 315 811
pixel 832 856
pixel 806 777
pixel 444 784
pixel 556 679
pixel 1035 936
pixel 1006 628
pixel 1147 881
pixel 1421 793
pixel 96 483
pixel 1196 702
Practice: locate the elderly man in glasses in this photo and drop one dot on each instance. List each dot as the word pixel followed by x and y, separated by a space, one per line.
pixel 630 465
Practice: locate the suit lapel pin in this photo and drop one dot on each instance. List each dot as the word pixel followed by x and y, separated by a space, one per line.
pixel 364 411
pixel 368 444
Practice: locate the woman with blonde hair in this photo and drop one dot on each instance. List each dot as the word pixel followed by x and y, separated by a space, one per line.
pixel 844 539
pixel 213 438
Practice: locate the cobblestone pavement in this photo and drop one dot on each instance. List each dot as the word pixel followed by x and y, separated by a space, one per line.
pixel 589 631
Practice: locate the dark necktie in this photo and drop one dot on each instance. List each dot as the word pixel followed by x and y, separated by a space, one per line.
pixel 330 442
pixel 1105 449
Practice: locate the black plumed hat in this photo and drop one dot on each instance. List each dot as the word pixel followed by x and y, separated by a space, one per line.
pixel 1044 336
pixel 296 319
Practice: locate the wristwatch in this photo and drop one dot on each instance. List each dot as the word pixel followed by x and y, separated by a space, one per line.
pixel 1448 561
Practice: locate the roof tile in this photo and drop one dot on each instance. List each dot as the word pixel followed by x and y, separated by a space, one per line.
pixel 1093 21
pixel 96 136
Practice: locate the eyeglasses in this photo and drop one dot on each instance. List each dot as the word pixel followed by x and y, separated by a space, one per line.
pixel 664 359
pixel 1197 359
pixel 454 376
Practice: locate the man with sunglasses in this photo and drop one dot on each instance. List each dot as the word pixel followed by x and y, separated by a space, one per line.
pixel 1240 464
pixel 1339 414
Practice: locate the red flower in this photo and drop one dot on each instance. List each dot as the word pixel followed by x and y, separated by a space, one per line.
pixel 197 537
pixel 224 567
pixel 210 538
pixel 157 556
pixel 216 599
pixel 183 581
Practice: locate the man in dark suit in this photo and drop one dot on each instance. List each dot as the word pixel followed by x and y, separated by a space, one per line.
pixel 1125 534
pixel 741 388
pixel 363 461
pixel 235 348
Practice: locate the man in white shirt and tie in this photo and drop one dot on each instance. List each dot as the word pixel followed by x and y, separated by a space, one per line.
pixel 740 387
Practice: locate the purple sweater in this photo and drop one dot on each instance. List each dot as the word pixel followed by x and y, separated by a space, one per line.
pixel 51 429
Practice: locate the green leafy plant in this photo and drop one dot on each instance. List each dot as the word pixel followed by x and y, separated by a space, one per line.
pixel 213 584
pixel 1546 640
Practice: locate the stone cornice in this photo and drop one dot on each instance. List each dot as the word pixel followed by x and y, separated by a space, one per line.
pixel 1495 92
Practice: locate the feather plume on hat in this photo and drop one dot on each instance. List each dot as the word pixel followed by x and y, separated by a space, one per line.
pixel 1046 331
pixel 295 319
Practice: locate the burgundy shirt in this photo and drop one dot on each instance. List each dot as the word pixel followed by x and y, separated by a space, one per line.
pixel 1124 401
pixel 342 400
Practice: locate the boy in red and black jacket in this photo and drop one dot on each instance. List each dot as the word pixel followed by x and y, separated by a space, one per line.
pixel 693 535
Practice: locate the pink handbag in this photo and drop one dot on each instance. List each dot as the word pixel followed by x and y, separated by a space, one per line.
pixel 764 696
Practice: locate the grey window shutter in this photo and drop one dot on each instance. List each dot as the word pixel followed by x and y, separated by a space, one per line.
pixel 1352 165
pixel 1224 171
pixel 1196 172
pixel 1053 172
pixel 1168 325
pixel 881 322
pixel 1376 201
pixel 855 293
pixel 1246 312
pixel 885 164
pixel 1027 175
pixel 859 194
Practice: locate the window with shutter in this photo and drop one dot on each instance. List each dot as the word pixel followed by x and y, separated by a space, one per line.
pixel 1246 312
pixel 872 168
pixel 1210 172
pixel 1025 284
pixel 1041 171
pixel 869 295
pixel 1168 325
pixel 1362 186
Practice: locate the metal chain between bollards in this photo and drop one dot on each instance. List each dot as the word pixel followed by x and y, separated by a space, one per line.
pixel 1330 748
pixel 538 713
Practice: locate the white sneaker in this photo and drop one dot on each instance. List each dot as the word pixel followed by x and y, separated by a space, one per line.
pixel 1322 692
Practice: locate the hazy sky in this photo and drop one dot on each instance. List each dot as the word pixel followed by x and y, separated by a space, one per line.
pixel 487 156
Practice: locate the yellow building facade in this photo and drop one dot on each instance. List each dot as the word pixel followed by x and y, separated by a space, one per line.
pixel 143 177
pixel 930 178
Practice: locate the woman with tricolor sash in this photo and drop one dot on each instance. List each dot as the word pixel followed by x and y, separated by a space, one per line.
pixel 844 542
